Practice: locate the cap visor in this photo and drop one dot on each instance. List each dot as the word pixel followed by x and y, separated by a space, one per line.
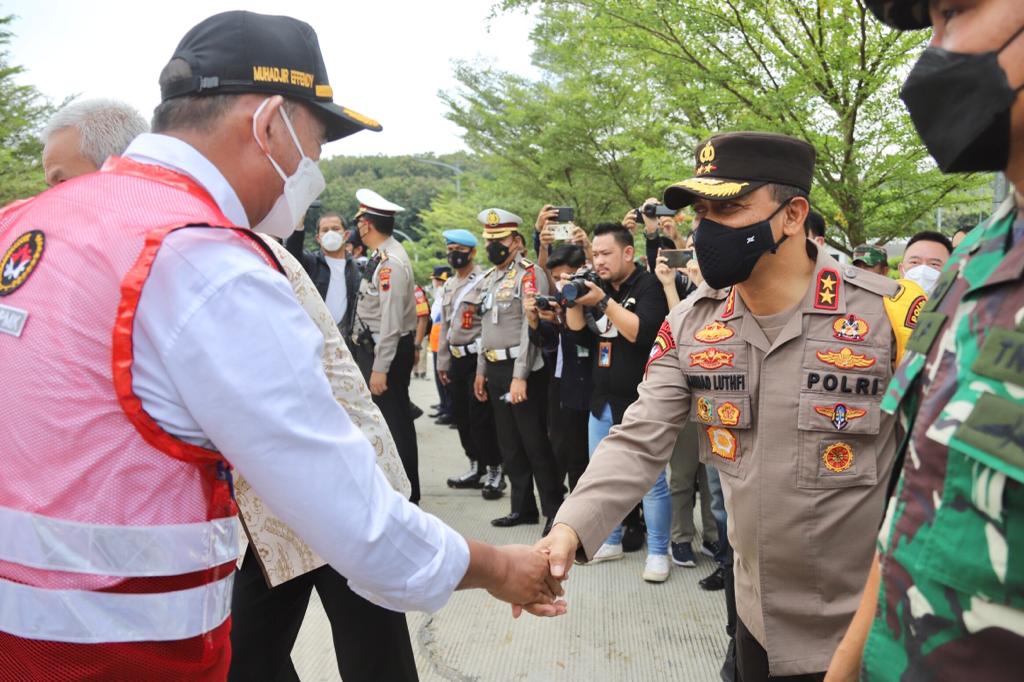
pixel 682 194
pixel 902 15
pixel 342 122
pixel 497 234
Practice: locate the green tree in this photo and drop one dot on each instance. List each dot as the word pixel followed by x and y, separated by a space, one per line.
pixel 23 113
pixel 630 86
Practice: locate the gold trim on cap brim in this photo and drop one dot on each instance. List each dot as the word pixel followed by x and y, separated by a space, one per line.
pixel 498 234
pixel 708 188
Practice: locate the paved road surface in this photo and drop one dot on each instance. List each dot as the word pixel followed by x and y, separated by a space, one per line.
pixel 618 627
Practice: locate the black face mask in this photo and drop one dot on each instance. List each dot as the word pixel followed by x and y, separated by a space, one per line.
pixel 497 252
pixel 458 259
pixel 728 255
pixel 960 105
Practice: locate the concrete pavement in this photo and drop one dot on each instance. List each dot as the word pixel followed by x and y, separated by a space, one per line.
pixel 618 627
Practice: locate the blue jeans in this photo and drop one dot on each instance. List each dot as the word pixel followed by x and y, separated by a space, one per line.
pixel 657 502
pixel 724 554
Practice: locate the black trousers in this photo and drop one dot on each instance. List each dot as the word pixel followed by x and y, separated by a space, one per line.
pixel 474 419
pixel 444 394
pixel 752 661
pixel 523 439
pixel 394 405
pixel 567 431
pixel 370 642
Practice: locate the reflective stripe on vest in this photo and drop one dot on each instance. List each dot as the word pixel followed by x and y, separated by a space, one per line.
pixel 85 617
pixel 129 551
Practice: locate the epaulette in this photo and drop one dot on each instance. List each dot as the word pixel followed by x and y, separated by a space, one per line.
pixel 526 262
pixel 870 281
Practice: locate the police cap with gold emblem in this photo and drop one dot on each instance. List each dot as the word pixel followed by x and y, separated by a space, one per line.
pixel 732 165
pixel 498 223
pixel 245 52
pixel 904 15
pixel 374 204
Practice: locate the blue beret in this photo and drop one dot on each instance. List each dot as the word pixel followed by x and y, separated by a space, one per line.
pixel 461 237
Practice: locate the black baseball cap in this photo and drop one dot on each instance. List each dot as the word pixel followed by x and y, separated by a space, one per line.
pixel 245 52
pixel 905 15
pixel 731 165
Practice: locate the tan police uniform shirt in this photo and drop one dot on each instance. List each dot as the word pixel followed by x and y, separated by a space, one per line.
pixel 460 323
pixel 503 322
pixel 795 429
pixel 387 304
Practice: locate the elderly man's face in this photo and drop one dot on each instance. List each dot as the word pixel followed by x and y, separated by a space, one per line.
pixel 63 158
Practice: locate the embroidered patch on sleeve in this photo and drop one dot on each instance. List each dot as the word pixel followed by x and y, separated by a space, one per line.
pixel 663 343
pixel 20 261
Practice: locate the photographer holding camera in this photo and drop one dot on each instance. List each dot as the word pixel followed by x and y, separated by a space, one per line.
pixel 626 305
pixel 660 230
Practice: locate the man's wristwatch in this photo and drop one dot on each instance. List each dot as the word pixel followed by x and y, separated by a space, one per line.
pixel 602 305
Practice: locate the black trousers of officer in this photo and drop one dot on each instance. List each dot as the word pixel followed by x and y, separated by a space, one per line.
pixel 752 661
pixel 371 643
pixel 474 419
pixel 523 439
pixel 394 405
pixel 567 430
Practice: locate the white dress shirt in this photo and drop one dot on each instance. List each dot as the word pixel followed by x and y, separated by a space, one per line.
pixel 225 357
pixel 337 289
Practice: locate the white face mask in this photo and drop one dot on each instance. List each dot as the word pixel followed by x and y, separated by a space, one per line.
pixel 331 241
pixel 924 276
pixel 300 189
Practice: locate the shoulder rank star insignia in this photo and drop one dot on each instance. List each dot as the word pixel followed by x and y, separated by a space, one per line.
pixel 846 359
pixel 839 414
pixel 714 332
pixel 850 328
pixel 838 457
pixel 729 414
pixel 723 442
pixel 712 358
pixel 827 296
pixel 20 260
pixel 704 409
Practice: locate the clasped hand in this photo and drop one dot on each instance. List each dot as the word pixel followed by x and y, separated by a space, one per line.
pixel 558 550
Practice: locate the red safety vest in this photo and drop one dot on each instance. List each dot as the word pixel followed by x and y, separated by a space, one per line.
pixel 118 541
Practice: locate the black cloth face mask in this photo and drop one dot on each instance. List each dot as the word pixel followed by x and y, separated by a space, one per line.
pixel 727 255
pixel 458 259
pixel 497 252
pixel 960 104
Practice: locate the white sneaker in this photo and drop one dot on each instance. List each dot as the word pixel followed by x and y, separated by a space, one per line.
pixel 657 568
pixel 607 553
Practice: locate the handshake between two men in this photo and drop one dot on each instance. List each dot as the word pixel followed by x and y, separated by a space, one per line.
pixel 529 578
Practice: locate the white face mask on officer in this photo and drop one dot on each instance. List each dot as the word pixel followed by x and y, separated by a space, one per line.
pixel 300 189
pixel 924 276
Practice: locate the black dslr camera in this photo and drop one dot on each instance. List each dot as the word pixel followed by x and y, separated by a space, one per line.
pixel 548 302
pixel 653 211
pixel 577 286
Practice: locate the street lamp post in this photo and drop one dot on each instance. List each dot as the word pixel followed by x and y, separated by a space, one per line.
pixel 457 170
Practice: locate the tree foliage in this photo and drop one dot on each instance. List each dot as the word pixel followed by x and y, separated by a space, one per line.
pixel 629 87
pixel 23 113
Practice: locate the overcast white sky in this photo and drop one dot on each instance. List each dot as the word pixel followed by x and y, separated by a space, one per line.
pixel 385 58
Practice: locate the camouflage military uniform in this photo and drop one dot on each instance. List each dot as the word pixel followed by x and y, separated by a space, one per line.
pixel 951 604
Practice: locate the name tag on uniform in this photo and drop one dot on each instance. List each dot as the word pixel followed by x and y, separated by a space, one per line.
pixel 12 320
pixel 604 354
pixel 582 352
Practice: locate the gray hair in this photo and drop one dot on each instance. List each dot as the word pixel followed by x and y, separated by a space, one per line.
pixel 107 127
